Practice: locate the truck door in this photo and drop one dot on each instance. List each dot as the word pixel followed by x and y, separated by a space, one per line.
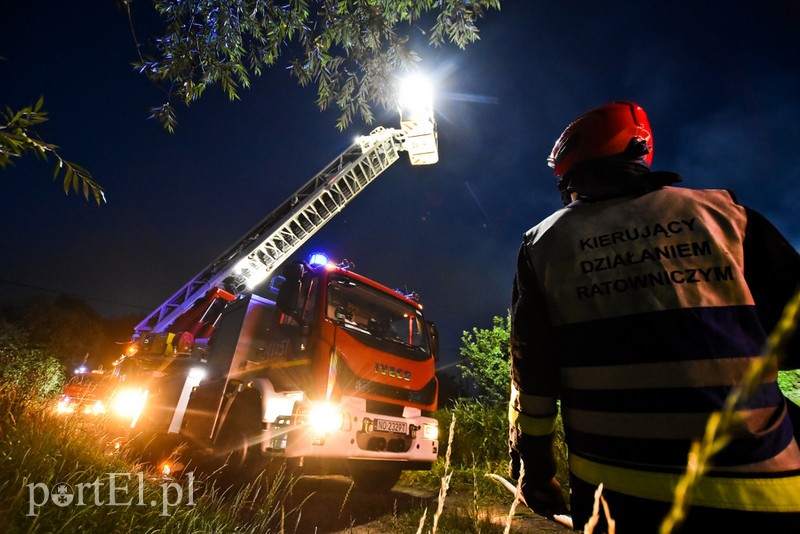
pixel 207 399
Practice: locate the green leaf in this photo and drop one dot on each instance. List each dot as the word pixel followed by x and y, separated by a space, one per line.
pixel 67 176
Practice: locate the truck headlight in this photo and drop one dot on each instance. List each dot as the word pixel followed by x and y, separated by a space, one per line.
pixel 129 403
pixel 430 431
pixel 98 408
pixel 325 417
pixel 65 405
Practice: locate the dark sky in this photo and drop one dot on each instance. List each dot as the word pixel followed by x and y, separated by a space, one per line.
pixel 720 81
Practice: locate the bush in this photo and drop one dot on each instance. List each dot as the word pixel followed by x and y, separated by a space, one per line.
pixel 30 371
pixel 487 353
pixel 26 374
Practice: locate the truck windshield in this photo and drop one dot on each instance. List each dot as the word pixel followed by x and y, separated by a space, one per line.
pixel 361 308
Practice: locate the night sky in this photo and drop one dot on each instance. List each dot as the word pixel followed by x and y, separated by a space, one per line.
pixel 719 80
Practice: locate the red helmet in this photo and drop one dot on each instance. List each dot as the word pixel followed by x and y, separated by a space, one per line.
pixel 612 129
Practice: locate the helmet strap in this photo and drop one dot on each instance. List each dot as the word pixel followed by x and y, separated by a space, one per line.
pixel 607 178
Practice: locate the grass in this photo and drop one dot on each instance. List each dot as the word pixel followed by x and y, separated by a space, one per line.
pixel 40 452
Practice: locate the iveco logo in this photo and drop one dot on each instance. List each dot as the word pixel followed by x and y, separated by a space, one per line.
pixel 394 372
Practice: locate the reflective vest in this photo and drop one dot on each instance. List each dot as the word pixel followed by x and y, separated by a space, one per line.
pixel 653 324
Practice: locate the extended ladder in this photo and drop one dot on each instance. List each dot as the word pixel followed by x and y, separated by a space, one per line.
pixel 262 250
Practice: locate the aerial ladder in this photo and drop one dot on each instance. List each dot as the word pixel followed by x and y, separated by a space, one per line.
pixel 257 255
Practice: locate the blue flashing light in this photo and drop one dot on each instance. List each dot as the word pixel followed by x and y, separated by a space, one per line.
pixel 317 259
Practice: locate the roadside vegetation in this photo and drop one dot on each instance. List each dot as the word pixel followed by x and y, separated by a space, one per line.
pixel 59 475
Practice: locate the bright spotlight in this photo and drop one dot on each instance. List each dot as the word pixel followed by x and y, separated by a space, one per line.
pixel 129 403
pixel 415 98
pixel 417 121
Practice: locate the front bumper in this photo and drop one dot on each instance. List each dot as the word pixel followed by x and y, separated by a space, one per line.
pixel 411 438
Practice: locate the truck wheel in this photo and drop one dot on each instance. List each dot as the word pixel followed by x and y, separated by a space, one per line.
pixel 237 446
pixel 374 478
pixel 154 449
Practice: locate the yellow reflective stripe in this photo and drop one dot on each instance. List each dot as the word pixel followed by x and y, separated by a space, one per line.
pixel 535 405
pixel 730 493
pixel 533 426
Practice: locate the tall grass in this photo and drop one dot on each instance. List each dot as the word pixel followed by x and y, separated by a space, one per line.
pixel 40 451
pixel 477 445
pixel 481 433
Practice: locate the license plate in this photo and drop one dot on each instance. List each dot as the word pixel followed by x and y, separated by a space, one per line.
pixel 391 426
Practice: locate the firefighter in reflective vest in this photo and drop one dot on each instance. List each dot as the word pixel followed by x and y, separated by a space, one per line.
pixel 639 306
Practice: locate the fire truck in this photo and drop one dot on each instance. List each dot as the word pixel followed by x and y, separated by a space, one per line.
pixel 308 361
pixel 86 392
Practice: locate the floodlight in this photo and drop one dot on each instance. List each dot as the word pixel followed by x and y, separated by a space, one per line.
pixel 415 98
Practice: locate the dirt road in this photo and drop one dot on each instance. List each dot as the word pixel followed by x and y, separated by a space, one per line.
pixel 330 505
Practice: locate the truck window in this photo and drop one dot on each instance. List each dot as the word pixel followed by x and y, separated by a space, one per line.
pixel 361 308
